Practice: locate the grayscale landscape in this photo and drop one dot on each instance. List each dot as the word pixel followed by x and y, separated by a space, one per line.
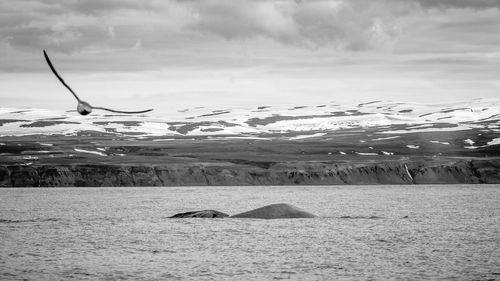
pixel 371 143
pixel 249 140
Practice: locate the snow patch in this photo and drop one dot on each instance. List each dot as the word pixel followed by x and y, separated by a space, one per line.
pixel 445 129
pixel 29 157
pixel 46 144
pixel 247 138
pixel 366 153
pixel 300 137
pixel 387 138
pixel 471 147
pixel 440 142
pixel 89 151
pixel 469 141
pixel 494 141
pixel 413 146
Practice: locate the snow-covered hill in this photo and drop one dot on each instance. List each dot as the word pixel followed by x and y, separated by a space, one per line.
pixel 263 122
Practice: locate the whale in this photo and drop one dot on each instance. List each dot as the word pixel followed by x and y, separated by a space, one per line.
pixel 273 211
pixel 201 214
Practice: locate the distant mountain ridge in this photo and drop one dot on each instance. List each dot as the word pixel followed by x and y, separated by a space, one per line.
pixel 371 143
pixel 261 122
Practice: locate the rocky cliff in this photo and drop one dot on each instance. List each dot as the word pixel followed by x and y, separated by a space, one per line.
pixel 288 173
pixel 370 143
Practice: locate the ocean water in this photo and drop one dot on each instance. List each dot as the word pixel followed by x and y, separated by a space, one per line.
pixel 363 233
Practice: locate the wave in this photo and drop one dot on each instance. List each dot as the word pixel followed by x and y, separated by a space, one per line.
pixel 362 217
pixel 28 220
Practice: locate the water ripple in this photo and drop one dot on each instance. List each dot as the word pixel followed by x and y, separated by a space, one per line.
pixel 425 232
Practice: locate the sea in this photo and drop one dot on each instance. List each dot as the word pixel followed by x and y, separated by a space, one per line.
pixel 425 232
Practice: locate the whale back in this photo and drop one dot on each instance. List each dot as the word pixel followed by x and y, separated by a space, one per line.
pixel 275 211
pixel 201 214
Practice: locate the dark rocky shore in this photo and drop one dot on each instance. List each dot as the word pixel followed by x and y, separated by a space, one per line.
pixel 348 156
pixel 287 173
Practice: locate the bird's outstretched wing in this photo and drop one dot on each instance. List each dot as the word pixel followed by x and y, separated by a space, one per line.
pixel 57 75
pixel 120 111
pixel 82 102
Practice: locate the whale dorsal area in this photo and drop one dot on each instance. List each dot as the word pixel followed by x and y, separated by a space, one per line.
pixel 275 211
pixel 201 214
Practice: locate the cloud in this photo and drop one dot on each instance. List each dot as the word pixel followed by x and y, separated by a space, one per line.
pixel 214 30
pixel 351 25
pixel 475 4
pixel 241 49
pixel 71 25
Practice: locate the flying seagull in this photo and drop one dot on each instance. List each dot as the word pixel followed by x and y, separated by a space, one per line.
pixel 83 107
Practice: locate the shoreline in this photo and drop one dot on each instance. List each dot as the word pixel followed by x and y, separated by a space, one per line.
pixel 442 171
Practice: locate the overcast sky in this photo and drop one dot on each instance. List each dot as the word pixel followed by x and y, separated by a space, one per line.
pixel 222 53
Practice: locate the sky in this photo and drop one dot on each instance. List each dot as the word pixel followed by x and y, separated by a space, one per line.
pixel 170 55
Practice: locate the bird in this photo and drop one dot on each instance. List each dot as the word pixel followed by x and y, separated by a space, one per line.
pixel 84 107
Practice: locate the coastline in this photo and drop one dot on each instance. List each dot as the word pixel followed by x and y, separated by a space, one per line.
pixel 370 143
pixel 443 171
